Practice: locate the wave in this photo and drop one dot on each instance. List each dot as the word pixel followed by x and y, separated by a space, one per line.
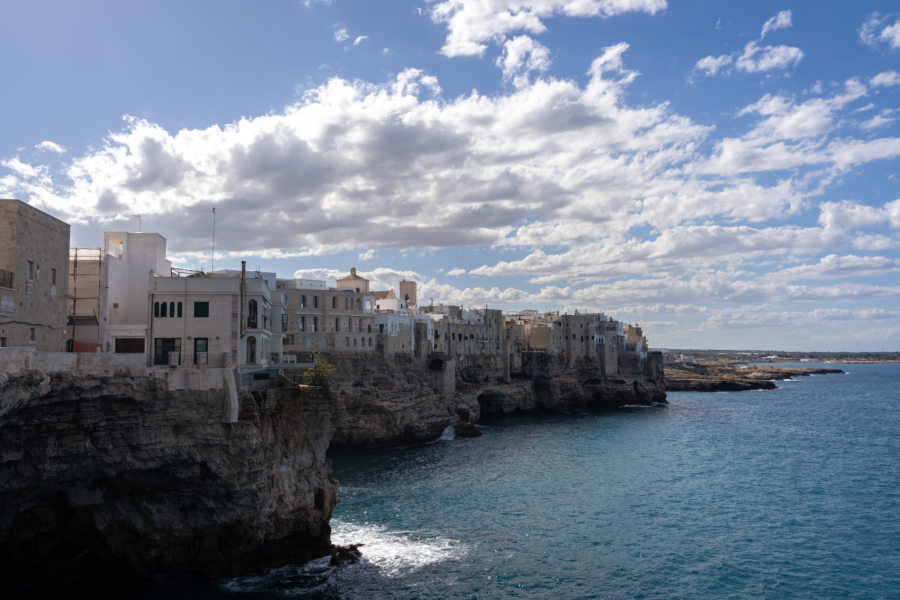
pixel 395 552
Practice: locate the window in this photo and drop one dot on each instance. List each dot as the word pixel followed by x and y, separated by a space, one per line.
pixel 2 342
pixel 306 341
pixel 163 312
pixel 30 272
pixel 303 301
pixel 179 310
pixel 315 301
pixel 251 350
pixel 315 324
pixel 171 309
pixel 52 276
pixel 31 334
pixel 163 346
pixel 156 309
pixel 346 342
pixel 252 312
pixel 201 309
pixel 283 322
pixel 334 302
pixel 360 325
pixel 302 324
pixel 337 324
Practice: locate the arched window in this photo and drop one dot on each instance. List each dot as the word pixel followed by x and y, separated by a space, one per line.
pixel 171 309
pixel 251 350
pixel 303 301
pixel 369 328
pixel 156 309
pixel 179 310
pixel 370 342
pixel 252 311
pixel 164 311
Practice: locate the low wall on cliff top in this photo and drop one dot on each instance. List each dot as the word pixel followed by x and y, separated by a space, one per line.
pixel 14 360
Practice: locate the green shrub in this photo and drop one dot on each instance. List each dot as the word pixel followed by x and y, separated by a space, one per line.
pixel 321 372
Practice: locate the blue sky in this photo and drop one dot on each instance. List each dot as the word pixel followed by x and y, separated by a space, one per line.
pixel 723 173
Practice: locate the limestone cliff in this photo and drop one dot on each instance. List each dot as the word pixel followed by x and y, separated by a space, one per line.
pixel 384 402
pixel 105 477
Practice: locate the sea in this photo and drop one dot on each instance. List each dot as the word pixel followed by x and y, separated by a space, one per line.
pixel 786 493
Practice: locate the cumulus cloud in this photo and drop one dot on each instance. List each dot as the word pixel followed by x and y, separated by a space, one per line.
pixel 360 39
pixel 50 147
pixel 341 35
pixel 472 23
pixel 886 78
pixel 756 58
pixel 880 29
pixel 710 65
pixel 780 21
pixel 521 56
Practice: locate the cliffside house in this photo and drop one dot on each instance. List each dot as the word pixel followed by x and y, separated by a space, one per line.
pixel 34 249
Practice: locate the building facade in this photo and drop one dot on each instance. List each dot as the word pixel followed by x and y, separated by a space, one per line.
pixel 34 252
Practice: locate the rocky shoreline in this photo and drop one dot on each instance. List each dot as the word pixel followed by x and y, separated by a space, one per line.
pixel 117 479
pixel 733 377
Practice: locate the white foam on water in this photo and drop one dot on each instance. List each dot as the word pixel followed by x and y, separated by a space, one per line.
pixel 448 434
pixel 395 552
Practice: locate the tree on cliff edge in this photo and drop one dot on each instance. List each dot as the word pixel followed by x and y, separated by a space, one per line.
pixel 320 374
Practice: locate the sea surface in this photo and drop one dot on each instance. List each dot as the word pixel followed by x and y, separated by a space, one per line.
pixel 787 493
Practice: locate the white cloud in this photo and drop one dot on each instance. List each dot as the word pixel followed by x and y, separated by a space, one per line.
pixel 456 272
pixel 521 56
pixel 886 78
pixel 780 21
pixel 368 254
pixel 710 65
pixel 360 39
pixel 341 35
pixel 756 59
pixel 879 29
pixel 473 23
pixel 50 146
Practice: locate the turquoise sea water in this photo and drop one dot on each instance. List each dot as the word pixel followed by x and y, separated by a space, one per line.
pixel 788 493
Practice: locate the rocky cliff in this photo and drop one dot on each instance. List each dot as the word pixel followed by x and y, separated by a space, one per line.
pixel 378 402
pixel 119 477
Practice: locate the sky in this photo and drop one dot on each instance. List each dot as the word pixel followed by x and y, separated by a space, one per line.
pixel 724 174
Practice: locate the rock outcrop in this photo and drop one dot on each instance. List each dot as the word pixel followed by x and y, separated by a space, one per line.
pixel 106 478
pixel 733 378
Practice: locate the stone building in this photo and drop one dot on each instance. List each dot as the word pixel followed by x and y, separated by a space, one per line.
pixel 34 252
pixel 320 318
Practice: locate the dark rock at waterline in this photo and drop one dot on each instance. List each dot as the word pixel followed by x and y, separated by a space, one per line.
pixel 467 430
pixel 342 555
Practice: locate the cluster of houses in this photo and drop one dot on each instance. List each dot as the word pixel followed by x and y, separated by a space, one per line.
pixel 127 298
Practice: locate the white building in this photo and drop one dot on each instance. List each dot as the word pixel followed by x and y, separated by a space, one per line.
pixel 193 319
